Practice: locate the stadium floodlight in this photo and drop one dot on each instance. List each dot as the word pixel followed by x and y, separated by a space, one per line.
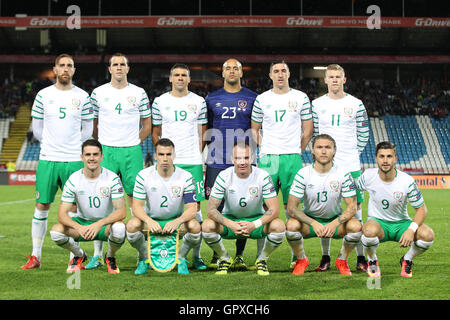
pixel 319 68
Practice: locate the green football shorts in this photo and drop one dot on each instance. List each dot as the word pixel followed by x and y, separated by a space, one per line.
pixel 197 173
pixel 359 194
pixel 51 175
pixel 125 162
pixel 392 230
pixel 101 235
pixel 282 169
pixel 258 233
pixel 323 222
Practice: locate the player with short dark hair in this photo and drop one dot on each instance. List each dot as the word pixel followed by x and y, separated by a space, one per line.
pixel 160 194
pixel 390 190
pixel 98 194
pixel 120 108
pixel 285 116
pixel 181 116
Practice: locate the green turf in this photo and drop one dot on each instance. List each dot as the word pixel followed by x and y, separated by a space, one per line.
pixel 430 281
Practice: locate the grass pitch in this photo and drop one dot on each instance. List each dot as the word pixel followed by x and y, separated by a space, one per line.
pixel 50 282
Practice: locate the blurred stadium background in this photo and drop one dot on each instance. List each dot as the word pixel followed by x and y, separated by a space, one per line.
pixel 399 71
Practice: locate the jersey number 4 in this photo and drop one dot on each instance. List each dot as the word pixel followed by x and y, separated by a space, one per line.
pixel 118 108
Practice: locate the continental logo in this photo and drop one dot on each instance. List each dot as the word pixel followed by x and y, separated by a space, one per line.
pixel 432 181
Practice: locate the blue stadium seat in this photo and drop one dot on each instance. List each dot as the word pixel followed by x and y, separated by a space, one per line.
pixel 404 131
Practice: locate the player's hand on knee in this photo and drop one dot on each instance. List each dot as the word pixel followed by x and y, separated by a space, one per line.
pixel 407 238
pixel 92 230
pixel 154 226
pixel 318 229
pixel 171 227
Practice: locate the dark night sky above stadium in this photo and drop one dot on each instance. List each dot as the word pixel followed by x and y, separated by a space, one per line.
pixel 398 8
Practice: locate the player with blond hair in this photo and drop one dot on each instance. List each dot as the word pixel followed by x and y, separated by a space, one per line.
pixel 343 117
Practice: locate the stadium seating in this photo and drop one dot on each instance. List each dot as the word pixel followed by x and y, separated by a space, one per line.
pixel 422 142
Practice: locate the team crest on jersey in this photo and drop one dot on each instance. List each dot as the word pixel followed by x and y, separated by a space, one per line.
pixel 76 104
pixel 253 192
pixel 398 196
pixel 242 104
pixel 176 191
pixel 293 106
pixel 348 111
pixel 131 100
pixel 192 107
pixel 104 191
pixel 334 185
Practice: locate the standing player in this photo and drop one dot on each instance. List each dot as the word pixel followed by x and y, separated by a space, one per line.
pixel 160 193
pixel 321 187
pixel 244 188
pixel 343 117
pixel 285 116
pixel 388 220
pixel 229 115
pixel 62 120
pixel 181 116
pixel 98 194
pixel 119 109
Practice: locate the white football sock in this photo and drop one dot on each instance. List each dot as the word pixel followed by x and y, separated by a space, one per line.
pixel 273 241
pixel 214 241
pixel 116 238
pixel 38 231
pixel 137 241
pixel 417 247
pixel 98 248
pixel 295 240
pixel 66 242
pixel 370 246
pixel 325 243
pixel 348 244
pixel 190 240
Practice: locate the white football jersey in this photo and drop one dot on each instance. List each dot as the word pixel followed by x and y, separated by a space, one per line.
pixel 281 116
pixel 62 112
pixel 322 193
pixel 243 197
pixel 165 197
pixel 119 112
pixel 179 118
pixel 347 122
pixel 389 200
pixel 93 197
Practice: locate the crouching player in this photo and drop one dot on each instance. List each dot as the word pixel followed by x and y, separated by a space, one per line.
pixel 243 188
pixel 98 194
pixel 159 196
pixel 322 186
pixel 388 220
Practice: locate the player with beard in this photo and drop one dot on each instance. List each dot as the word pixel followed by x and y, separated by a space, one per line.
pixel 62 120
